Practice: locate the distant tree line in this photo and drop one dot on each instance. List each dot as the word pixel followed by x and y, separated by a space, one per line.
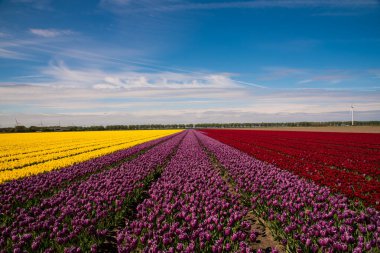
pixel 24 129
pixel 288 124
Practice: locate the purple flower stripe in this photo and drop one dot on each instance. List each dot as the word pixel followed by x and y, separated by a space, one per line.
pixel 20 191
pixel 79 215
pixel 190 209
pixel 310 218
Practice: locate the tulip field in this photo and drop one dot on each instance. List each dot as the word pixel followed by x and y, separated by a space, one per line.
pixel 345 162
pixel 190 191
pixel 29 154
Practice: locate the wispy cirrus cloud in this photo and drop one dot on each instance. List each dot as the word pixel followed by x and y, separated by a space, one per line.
pixel 337 14
pixel 306 76
pixel 277 73
pixel 375 72
pixel 327 78
pixel 4 35
pixel 180 5
pixel 37 4
pixel 50 33
pixel 10 54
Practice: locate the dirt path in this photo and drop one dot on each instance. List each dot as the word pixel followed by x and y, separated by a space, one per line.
pixel 265 239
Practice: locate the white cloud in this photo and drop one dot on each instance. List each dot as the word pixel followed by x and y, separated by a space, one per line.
pixel 63 76
pixel 152 97
pixel 50 33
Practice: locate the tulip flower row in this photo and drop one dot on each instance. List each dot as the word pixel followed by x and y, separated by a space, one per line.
pixel 306 217
pixel 18 145
pixel 189 209
pixel 29 191
pixel 32 160
pixel 50 149
pixel 81 216
pixel 39 157
pixel 347 163
pixel 322 148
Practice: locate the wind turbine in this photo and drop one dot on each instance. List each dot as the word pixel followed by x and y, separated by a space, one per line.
pixel 352 114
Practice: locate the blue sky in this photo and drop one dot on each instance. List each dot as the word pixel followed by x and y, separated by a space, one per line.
pixel 182 61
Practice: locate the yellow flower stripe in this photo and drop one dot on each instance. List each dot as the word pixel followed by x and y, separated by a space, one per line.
pixel 29 144
pixel 60 148
pixel 14 164
pixel 23 159
pixel 62 157
pixel 36 142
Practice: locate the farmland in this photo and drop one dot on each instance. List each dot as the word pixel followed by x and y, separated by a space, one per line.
pixel 346 162
pixel 30 154
pixel 190 191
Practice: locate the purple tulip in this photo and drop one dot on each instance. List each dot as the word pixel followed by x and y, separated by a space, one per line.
pixel 227 231
pixel 199 193
pixel 179 247
pixel 252 237
pixel 234 237
pixel 274 250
